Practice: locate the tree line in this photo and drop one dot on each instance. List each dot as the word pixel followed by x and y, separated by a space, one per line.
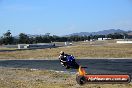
pixel 23 38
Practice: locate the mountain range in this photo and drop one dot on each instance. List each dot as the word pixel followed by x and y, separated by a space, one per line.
pixel 104 32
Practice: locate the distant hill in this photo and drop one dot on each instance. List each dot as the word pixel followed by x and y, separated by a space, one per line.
pixel 104 32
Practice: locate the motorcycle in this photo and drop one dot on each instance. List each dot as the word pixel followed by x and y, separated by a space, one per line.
pixel 70 62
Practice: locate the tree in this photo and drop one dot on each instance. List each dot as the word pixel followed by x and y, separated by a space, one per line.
pixel 115 36
pixel 47 34
pixel 23 38
pixel 7 38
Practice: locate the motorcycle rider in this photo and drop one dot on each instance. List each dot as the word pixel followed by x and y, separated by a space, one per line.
pixel 67 60
pixel 63 56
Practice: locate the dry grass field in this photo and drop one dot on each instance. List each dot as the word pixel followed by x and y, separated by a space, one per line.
pixel 99 49
pixel 28 78
pixel 31 78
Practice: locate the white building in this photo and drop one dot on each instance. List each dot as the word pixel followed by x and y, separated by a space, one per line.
pixel 100 39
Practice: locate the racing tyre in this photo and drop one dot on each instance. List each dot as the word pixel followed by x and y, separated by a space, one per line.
pixel 67 67
pixel 81 80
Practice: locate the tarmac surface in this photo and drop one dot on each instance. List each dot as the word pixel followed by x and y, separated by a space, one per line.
pixel 94 66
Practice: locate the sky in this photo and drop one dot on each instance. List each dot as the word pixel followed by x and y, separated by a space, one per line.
pixel 62 17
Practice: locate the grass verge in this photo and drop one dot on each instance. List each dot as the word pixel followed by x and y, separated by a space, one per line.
pixel 79 50
pixel 29 78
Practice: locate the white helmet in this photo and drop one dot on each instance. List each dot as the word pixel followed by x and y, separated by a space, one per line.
pixel 61 52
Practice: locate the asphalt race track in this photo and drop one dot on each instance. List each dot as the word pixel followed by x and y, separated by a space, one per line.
pixel 95 66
